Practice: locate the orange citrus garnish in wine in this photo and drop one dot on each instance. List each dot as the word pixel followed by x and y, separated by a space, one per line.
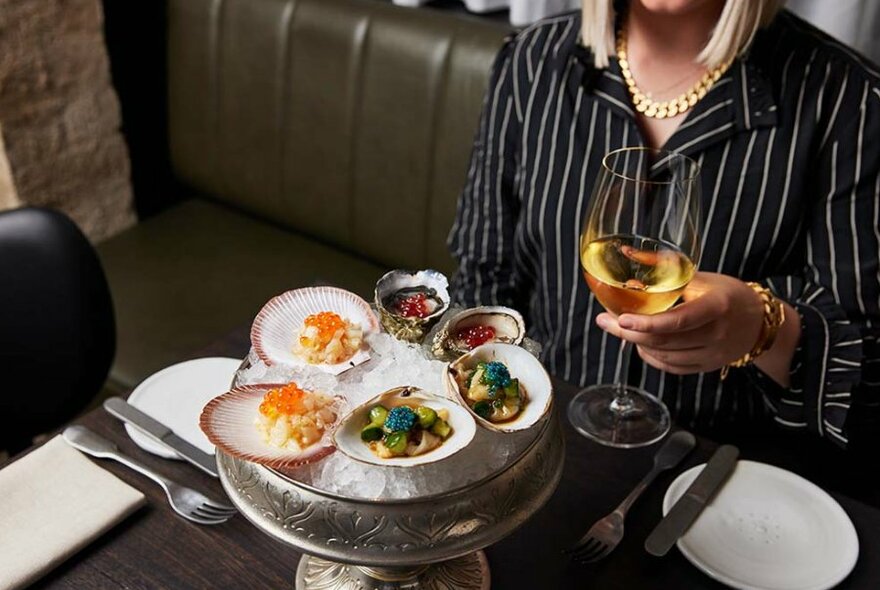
pixel 646 257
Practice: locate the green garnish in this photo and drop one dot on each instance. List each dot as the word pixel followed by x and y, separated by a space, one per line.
pixel 483 409
pixel 378 414
pixel 470 379
pixel 441 428
pixel 427 416
pixel 396 442
pixel 371 432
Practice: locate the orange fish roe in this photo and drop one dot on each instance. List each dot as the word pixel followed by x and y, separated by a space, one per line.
pixel 327 323
pixel 284 400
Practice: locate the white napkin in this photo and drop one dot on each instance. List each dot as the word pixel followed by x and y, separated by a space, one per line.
pixel 54 502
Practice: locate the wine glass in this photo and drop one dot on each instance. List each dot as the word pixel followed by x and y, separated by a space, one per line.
pixel 639 248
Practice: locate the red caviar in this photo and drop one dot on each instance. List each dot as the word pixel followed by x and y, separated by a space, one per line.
pixel 287 399
pixel 474 336
pixel 327 323
pixel 414 306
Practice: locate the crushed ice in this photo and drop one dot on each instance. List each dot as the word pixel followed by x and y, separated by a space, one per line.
pixel 392 364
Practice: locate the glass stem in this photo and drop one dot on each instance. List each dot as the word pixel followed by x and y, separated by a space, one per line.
pixel 623 402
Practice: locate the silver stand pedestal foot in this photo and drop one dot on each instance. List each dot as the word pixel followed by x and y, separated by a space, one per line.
pixel 470 572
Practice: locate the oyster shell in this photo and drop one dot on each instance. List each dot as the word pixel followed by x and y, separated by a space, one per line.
pixel 229 422
pixel 401 283
pixel 347 437
pixel 507 324
pixel 533 378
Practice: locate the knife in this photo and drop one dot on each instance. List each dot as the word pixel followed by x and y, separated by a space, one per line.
pixel 157 431
pixel 688 507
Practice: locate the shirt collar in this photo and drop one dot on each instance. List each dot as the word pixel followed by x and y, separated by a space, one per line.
pixel 755 103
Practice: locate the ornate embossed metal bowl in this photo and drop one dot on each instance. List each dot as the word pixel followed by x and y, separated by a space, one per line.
pixel 426 542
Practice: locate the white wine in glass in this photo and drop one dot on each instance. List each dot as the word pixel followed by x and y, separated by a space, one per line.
pixel 633 274
pixel 639 249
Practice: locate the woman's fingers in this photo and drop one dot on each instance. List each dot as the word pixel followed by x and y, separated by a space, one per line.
pixel 687 340
pixel 669 367
pixel 679 354
pixel 718 322
pixel 695 357
pixel 690 315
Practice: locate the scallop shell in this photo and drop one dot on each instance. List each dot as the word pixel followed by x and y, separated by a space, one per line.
pixel 523 366
pixel 278 324
pixel 347 437
pixel 510 328
pixel 411 329
pixel 229 423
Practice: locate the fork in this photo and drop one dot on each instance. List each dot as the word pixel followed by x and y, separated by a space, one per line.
pixel 186 502
pixel 607 532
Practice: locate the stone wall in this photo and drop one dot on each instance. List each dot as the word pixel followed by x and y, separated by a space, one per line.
pixel 59 113
pixel 8 196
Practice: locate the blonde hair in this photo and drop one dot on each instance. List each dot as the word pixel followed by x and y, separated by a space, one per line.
pixel 732 35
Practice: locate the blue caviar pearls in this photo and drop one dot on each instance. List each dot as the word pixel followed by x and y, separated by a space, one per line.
pixel 401 419
pixel 496 375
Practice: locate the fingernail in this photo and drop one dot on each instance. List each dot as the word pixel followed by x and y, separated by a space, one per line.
pixel 602 322
pixel 625 322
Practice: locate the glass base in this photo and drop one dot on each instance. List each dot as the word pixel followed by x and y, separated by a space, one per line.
pixel 636 419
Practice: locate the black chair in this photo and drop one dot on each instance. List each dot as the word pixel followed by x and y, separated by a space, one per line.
pixel 57 332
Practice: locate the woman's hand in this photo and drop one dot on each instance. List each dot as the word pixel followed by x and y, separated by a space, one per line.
pixel 719 322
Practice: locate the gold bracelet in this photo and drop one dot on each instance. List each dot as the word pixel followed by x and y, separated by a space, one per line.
pixel 774 317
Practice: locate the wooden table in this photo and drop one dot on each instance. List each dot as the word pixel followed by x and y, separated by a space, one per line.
pixel 156 549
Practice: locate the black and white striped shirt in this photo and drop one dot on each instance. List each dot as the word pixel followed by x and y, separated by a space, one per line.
pixel 789 144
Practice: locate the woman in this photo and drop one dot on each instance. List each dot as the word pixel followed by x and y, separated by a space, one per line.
pixel 786 140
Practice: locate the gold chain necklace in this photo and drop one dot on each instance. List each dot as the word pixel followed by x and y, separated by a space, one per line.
pixel 669 108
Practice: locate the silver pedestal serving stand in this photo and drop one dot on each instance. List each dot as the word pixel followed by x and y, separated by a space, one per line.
pixel 420 543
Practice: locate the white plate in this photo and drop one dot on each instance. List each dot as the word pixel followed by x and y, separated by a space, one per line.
pixel 768 529
pixel 175 397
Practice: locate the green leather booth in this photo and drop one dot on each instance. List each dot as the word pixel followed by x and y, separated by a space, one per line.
pixel 323 141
